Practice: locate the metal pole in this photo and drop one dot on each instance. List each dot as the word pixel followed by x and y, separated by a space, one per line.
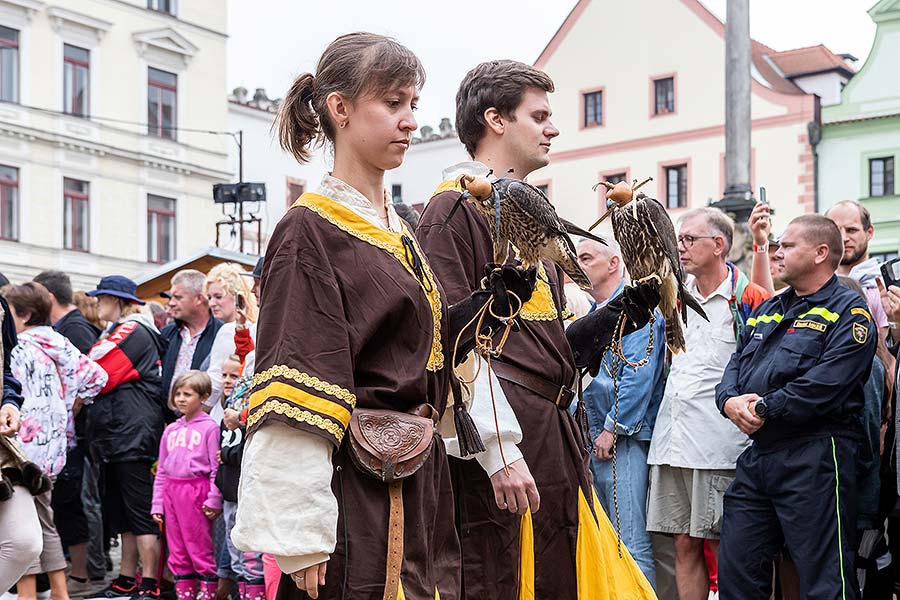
pixel 240 180
pixel 737 100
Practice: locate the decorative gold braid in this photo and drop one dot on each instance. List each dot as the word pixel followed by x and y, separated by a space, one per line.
pixel 436 358
pixel 298 414
pixel 541 306
pixel 307 380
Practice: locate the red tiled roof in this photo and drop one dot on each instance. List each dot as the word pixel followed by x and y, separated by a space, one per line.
pixel 776 81
pixel 814 59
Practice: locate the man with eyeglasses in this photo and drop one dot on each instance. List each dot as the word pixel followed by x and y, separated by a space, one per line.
pixel 693 451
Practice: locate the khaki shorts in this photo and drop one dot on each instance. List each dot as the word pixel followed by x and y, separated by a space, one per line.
pixel 687 500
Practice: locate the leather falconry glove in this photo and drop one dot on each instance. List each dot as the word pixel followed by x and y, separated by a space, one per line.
pixel 496 283
pixel 591 335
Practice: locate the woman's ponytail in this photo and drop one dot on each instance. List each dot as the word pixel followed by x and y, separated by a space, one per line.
pixel 298 123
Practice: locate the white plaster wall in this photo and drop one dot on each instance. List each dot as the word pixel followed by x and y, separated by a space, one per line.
pixel 420 172
pixel 121 163
pixel 826 85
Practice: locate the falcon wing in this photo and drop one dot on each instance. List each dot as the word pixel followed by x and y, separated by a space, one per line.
pixel 534 203
pixel 661 224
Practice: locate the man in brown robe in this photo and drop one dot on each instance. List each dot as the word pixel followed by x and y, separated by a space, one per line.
pixel 529 524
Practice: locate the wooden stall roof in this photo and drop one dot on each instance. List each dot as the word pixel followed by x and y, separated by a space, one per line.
pixel 156 280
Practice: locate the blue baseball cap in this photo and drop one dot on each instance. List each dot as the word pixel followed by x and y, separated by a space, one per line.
pixel 118 286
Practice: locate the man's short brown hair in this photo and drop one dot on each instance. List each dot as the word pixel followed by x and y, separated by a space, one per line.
pixel 29 298
pixel 817 229
pixel 499 84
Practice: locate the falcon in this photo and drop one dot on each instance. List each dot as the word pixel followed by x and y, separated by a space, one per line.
pixel 522 215
pixel 649 246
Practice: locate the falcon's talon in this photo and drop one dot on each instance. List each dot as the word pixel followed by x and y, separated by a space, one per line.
pixel 653 277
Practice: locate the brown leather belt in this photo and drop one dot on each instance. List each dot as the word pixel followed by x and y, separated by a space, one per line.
pixel 395 542
pixel 559 395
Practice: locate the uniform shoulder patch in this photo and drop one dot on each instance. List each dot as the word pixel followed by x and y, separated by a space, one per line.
pixel 860 333
pixel 861 311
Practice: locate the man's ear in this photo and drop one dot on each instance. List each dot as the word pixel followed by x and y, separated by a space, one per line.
pixel 494 120
pixel 822 253
pixel 614 264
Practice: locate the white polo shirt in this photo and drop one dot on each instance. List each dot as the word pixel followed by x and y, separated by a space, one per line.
pixel 690 432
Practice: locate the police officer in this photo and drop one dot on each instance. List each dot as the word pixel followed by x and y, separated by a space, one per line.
pixel 795 386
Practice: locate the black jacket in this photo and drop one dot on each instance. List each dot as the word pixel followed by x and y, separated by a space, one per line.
pixel 171 333
pixel 12 389
pixel 125 422
pixel 229 474
pixel 809 358
pixel 78 330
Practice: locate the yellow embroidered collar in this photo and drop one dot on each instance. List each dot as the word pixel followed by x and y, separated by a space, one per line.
pixel 541 307
pixel 348 221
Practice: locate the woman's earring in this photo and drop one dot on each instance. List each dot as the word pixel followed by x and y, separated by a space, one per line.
pixel 343 124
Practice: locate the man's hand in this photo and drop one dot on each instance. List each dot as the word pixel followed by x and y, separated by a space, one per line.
pixel 740 410
pixel 603 445
pixel 231 419
pixel 9 420
pixel 310 578
pixel 517 491
pixel 760 224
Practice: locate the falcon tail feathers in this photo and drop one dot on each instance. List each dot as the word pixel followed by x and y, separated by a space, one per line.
pixel 574 229
pixel 675 336
pixel 692 303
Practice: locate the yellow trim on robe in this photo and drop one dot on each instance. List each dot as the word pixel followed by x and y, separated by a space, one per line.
pixel 306 380
pixel 348 221
pixel 400 594
pixel 541 306
pixel 446 186
pixel 298 414
pixel 526 557
pixel 300 398
pixel 601 574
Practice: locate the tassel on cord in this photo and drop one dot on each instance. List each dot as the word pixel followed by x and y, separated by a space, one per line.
pixel 582 420
pixel 466 433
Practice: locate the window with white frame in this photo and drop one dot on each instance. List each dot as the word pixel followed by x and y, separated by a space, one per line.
pixel 76 80
pixel 9 203
pixel 76 215
pixel 9 64
pixel 160 229
pixel 162 90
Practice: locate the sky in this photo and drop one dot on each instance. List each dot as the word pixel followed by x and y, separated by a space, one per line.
pixel 272 41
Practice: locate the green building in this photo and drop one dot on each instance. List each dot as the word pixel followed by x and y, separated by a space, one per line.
pixel 860 144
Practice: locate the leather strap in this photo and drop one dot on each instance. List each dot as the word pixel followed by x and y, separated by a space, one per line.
pixel 561 396
pixel 395 542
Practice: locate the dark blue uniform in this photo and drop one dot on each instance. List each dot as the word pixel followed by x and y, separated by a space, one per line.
pixel 809 358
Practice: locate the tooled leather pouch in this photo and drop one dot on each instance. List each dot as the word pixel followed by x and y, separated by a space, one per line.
pixel 391 445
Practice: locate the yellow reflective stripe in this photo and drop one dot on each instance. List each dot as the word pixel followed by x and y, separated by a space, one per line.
pixel 297 396
pixel 822 312
pixel 526 557
pixel 774 318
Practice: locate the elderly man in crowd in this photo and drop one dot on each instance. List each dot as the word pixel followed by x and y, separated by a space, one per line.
pixel 795 385
pixel 693 450
pixel 629 423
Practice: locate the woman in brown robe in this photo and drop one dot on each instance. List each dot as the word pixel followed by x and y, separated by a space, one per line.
pixel 351 318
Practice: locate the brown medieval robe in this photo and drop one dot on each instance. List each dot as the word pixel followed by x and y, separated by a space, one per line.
pixel 568 548
pixel 350 319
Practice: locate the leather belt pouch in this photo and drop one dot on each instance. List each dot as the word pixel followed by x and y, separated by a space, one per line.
pixel 391 445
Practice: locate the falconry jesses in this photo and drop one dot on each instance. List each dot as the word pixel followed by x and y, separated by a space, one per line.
pixel 521 215
pixel 649 246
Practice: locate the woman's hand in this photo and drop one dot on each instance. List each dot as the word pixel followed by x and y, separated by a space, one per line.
pixel 158 518
pixel 311 578
pixel 760 224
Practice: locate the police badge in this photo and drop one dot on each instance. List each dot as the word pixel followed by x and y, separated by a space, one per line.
pixel 860 333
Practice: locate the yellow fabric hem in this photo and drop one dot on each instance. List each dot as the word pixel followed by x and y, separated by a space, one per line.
pixel 346 220
pixel 526 557
pixel 601 573
pixel 307 380
pixel 298 414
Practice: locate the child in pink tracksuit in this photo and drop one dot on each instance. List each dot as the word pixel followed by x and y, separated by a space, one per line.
pixel 185 498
